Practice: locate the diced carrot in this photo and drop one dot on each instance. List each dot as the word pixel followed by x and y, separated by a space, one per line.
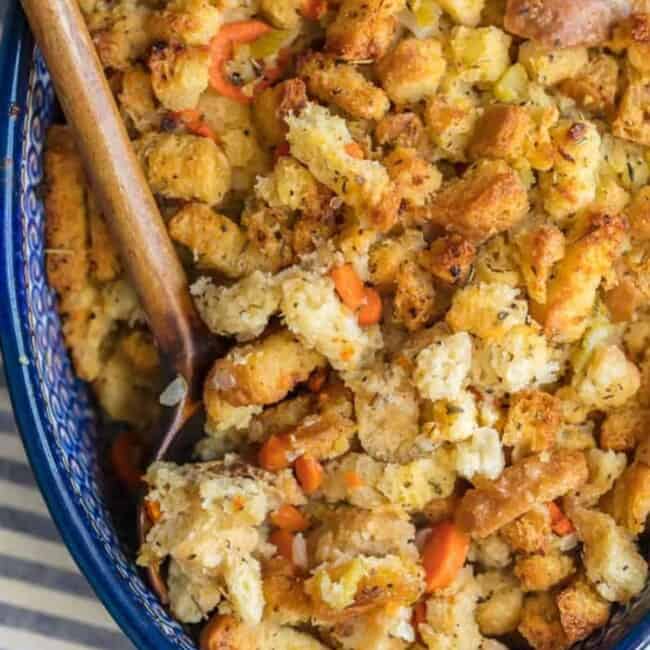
pixel 371 310
pixel 314 9
pixel 348 285
pixel 317 380
pixel 194 123
pixel 288 517
pixel 283 540
pixel 274 454
pixel 560 523
pixel 153 510
pixel 310 474
pixel 126 457
pixel 354 149
pixel 353 480
pixel 444 555
pixel 221 51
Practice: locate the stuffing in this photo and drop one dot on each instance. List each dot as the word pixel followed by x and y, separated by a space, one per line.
pixel 501 132
pixel 137 100
pixel 550 67
pixel 464 12
pixel 386 257
pixel 269 229
pixel 367 483
pixel 486 310
pixel 242 310
pixel 189 22
pixel 608 380
pixel 442 367
pixel 571 185
pixel 387 412
pixel 257 373
pixel 363 30
pixel 501 599
pixel 401 130
pixel 355 245
pixel 452 420
pixel 179 76
pixel 538 247
pixel 492 552
pixel 414 303
pixel 622 429
pixel 343 86
pixel 481 456
pixel 415 179
pixel 284 15
pixel 582 609
pixel 532 422
pixel 318 139
pixel 273 104
pixel 540 623
pixel 630 122
pixel 534 479
pixel 530 533
pixel 488 199
pixel 522 358
pixel 450 615
pixel 630 500
pixel 595 85
pixel 571 291
pixel 638 213
pixel 313 311
pixel 184 167
pixel 481 54
pixel 495 263
pixel 286 602
pixel 412 71
pixel 449 258
pixel 541 572
pixel 605 467
pixel 104 262
pixel 610 557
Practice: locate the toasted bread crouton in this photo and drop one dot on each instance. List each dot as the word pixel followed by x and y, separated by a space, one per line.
pixel 549 67
pixel 532 423
pixel 538 247
pixel 217 242
pixel 401 130
pixel 415 178
pixel 558 24
pixel 488 199
pixel 595 85
pixel 179 76
pixel 319 139
pixel 480 456
pixel 413 70
pixel 387 412
pixel 184 167
pixel 438 510
pixel 638 214
pixel 344 86
pixel 622 429
pixel 387 256
pixel 540 623
pixel 137 100
pixel 283 15
pixel 481 54
pixel 582 609
pixel 414 304
pixel 363 30
pixel 286 602
pixel 495 263
pixel 630 122
pixel 366 483
pixel 535 479
pixel 630 501
pixel 611 559
pixel 273 104
pixel 464 12
pixel 449 258
pixel 105 264
pixel 544 571
pixel 499 609
pixel 189 22
pixel 260 373
pixel 501 132
pixel 571 184
pixel 572 291
pixel 605 467
pixel 530 533
pixel 486 310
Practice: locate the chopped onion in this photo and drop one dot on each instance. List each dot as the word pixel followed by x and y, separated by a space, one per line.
pixel 174 393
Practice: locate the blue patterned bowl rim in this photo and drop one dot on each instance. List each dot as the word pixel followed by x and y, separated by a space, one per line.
pixel 77 509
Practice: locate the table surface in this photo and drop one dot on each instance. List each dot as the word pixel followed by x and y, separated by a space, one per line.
pixel 45 603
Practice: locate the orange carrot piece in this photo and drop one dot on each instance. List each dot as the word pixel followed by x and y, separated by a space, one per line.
pixel 560 524
pixel 317 380
pixel 194 123
pixel 153 510
pixel 310 474
pixel 283 541
pixel 288 517
pixel 348 285
pixel 126 457
pixel 353 480
pixel 274 454
pixel 354 149
pixel 221 51
pixel 371 310
pixel 444 555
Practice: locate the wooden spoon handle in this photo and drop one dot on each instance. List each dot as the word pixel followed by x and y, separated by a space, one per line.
pixel 117 178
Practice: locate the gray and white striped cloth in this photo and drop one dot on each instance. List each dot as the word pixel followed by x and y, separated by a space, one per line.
pixel 45 602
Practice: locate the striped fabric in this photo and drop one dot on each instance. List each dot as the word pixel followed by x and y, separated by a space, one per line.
pixel 45 602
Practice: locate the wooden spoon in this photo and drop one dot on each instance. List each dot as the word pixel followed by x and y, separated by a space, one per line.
pixel 132 215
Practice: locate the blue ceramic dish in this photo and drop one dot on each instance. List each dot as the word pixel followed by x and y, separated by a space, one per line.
pixel 52 407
